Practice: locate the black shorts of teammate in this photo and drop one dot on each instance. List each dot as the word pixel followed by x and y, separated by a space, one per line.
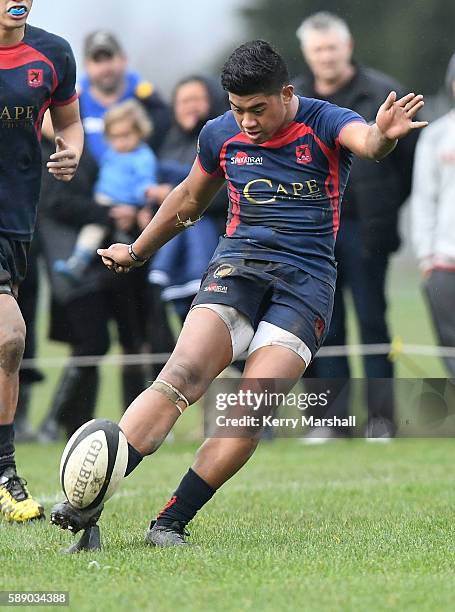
pixel 13 264
pixel 274 292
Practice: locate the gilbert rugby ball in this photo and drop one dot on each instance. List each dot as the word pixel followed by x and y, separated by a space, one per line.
pixel 93 463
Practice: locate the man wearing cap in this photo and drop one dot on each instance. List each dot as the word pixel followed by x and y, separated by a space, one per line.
pixel 107 82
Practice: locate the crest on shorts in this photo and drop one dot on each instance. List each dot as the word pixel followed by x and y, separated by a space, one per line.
pixel 319 327
pixel 223 270
pixel 35 77
pixel 303 154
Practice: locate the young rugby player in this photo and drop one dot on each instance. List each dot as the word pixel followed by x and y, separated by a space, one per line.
pixel 269 287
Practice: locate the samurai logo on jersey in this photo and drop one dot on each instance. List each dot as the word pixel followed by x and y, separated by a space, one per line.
pixel 242 159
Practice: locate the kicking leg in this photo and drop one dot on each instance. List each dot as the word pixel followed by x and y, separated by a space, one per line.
pixel 203 350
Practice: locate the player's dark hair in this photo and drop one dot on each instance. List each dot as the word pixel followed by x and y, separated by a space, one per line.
pixel 254 67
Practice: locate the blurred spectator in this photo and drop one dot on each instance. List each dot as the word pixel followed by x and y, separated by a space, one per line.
pixel 368 232
pixel 108 81
pixel 179 265
pixel 127 173
pixel 433 219
pixel 81 313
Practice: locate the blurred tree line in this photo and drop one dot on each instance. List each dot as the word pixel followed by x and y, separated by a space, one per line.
pixel 411 40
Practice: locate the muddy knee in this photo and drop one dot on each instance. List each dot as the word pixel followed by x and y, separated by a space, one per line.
pixel 186 379
pixel 12 345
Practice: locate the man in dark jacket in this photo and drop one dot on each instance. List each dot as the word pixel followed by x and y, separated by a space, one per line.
pixel 369 232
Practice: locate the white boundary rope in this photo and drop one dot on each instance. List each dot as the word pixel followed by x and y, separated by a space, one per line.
pixel 394 350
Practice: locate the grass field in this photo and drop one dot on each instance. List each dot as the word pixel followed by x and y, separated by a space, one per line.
pixel 345 526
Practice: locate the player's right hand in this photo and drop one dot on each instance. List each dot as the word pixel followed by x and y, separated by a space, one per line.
pixel 64 162
pixel 117 258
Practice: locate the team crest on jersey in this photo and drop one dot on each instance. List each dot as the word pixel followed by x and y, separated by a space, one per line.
pixel 303 154
pixel 223 270
pixel 35 77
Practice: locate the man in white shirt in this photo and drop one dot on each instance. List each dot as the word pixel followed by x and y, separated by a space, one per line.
pixel 433 219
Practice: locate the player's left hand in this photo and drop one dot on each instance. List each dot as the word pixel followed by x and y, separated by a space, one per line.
pixel 117 258
pixel 395 117
pixel 64 162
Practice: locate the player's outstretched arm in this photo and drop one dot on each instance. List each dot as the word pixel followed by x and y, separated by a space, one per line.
pixel 180 209
pixel 69 141
pixel 395 119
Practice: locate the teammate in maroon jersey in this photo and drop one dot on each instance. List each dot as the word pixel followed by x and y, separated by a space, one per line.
pixel 37 72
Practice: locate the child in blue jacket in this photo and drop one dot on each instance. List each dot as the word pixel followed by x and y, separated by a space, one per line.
pixel 127 172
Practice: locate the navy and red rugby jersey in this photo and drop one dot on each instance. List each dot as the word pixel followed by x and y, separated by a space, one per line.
pixel 285 194
pixel 37 73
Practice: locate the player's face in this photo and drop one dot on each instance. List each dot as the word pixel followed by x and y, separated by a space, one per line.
pixel 123 136
pixel 328 54
pixel 261 116
pixel 191 104
pixel 13 14
pixel 106 72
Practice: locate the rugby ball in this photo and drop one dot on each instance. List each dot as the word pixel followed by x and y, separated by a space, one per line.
pixel 93 463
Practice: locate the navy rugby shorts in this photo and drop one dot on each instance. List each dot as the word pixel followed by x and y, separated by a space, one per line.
pixel 13 264
pixel 277 293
